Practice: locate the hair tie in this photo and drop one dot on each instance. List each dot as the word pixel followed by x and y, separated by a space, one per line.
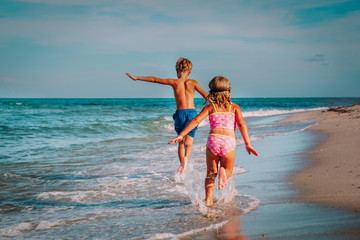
pixel 223 90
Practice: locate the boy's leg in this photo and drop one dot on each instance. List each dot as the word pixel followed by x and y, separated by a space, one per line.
pixel 179 125
pixel 189 138
pixel 211 165
pixel 188 148
pixel 181 153
pixel 226 168
pixel 185 147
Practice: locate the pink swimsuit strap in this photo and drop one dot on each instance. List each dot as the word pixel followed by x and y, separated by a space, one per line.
pixel 224 120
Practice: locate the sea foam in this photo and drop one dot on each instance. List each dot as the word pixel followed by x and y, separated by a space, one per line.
pixel 273 112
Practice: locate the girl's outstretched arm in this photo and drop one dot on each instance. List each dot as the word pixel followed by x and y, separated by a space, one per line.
pixel 192 124
pixel 177 139
pixel 168 81
pixel 244 131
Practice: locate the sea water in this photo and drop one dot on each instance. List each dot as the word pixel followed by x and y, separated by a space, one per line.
pixel 102 168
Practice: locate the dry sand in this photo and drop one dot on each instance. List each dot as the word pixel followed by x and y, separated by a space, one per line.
pixel 332 176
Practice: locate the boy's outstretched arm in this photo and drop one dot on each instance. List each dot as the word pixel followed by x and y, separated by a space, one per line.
pixel 169 81
pixel 244 132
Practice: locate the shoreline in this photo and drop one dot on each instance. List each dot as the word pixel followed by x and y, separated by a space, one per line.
pixel 331 175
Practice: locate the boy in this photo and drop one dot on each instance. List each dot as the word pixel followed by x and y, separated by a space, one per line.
pixel 184 89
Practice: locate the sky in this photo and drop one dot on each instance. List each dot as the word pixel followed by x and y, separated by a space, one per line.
pixel 272 48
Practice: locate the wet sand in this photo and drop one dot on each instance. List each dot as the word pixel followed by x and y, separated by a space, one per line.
pixel 332 175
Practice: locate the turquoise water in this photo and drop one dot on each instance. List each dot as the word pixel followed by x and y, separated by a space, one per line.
pixel 102 168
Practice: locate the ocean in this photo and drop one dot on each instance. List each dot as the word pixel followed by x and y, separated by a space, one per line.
pixel 102 168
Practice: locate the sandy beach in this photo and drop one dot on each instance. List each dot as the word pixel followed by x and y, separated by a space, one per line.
pixel 332 175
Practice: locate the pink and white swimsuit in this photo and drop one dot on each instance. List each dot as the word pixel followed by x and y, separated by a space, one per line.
pixel 219 144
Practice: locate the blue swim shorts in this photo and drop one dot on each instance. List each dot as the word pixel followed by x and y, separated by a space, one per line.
pixel 182 117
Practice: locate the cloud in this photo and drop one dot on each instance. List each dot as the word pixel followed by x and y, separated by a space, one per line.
pixel 320 58
pixel 143 27
pixel 139 26
pixel 8 80
pixel 68 2
pixel 316 58
pixel 112 33
pixel 257 40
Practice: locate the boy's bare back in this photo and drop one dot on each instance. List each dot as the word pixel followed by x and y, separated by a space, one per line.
pixel 184 90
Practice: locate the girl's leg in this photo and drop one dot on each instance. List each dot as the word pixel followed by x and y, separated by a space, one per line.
pixel 211 164
pixel 226 168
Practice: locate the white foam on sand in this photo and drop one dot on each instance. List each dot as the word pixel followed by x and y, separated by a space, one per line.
pixel 10 177
pixel 168 118
pixel 191 184
pixel 169 127
pixel 76 196
pixel 98 190
pixel 39 224
pixel 18 229
pixel 242 204
pixel 239 170
pixel 44 225
pixel 177 236
pixel 256 138
pixel 273 112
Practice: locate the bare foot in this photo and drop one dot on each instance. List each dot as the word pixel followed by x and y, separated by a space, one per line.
pixel 183 165
pixel 209 202
pixel 180 169
pixel 222 178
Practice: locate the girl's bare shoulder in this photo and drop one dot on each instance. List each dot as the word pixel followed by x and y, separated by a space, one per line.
pixel 209 108
pixel 235 106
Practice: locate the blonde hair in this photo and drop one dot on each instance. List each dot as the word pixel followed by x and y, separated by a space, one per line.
pixel 183 65
pixel 219 91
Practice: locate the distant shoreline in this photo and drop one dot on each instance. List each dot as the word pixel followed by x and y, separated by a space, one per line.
pixel 173 98
pixel 332 175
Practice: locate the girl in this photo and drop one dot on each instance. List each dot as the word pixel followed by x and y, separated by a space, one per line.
pixel 221 143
